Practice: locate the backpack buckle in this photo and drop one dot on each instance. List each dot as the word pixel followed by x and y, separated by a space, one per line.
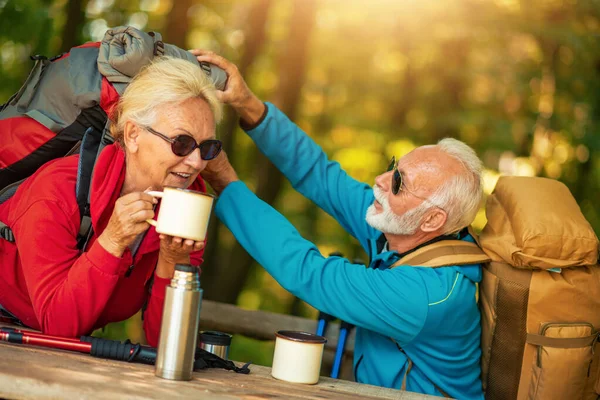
pixel 6 233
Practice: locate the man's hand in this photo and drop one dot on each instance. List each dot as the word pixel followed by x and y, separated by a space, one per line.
pixel 127 221
pixel 236 93
pixel 174 250
pixel 219 173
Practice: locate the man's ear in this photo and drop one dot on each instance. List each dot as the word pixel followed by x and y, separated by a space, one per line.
pixel 131 135
pixel 434 220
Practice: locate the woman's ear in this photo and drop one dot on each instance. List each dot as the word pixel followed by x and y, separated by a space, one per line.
pixel 131 135
pixel 434 220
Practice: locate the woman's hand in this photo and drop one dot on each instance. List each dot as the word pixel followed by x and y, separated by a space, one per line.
pixel 236 93
pixel 174 250
pixel 127 221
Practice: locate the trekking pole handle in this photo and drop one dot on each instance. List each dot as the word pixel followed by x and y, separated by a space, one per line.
pixel 116 350
pixel 324 320
pixel 346 325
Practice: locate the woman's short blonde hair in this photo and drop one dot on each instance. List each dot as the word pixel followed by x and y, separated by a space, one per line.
pixel 165 80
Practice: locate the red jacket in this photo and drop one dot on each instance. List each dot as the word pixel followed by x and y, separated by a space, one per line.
pixel 47 283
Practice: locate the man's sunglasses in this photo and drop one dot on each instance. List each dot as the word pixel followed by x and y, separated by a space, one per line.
pixel 183 145
pixel 396 176
pixel 397 183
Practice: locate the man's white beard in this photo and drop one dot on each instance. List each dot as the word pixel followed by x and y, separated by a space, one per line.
pixel 387 221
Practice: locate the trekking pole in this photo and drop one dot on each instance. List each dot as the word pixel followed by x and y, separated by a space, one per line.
pixel 345 328
pixel 112 349
pixel 97 347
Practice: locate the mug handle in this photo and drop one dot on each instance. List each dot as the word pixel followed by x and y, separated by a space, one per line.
pixel 154 194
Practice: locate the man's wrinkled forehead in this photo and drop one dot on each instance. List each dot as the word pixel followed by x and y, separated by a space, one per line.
pixel 429 161
pixel 420 156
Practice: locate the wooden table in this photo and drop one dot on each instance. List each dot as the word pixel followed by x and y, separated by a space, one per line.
pixel 28 372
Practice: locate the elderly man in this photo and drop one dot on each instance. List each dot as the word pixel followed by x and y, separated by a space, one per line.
pixel 417 328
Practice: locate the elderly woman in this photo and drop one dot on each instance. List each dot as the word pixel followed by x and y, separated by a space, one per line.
pixel 164 130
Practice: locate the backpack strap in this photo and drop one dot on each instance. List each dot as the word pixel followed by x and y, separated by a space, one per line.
pixel 91 146
pixel 85 168
pixel 444 254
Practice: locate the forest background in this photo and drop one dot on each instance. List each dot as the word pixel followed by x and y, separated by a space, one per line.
pixel 518 80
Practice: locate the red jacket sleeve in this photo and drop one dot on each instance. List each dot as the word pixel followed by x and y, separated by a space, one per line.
pixel 68 290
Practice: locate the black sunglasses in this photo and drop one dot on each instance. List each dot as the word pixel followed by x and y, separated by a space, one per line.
pixel 183 145
pixel 396 176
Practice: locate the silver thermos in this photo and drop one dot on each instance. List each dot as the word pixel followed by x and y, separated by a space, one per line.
pixel 179 327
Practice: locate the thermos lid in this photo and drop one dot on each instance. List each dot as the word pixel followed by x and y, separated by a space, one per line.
pixel 216 338
pixel 185 268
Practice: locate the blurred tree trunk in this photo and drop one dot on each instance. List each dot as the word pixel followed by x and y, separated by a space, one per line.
pixel 404 97
pixel 584 187
pixel 178 23
pixel 254 33
pixel 292 67
pixel 75 18
pixel 455 53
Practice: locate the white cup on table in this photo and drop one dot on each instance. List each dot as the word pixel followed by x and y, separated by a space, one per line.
pixel 183 213
pixel 297 356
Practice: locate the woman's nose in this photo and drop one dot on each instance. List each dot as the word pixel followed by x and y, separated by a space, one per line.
pixel 195 161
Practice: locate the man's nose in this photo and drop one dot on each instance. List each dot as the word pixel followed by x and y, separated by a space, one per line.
pixel 383 181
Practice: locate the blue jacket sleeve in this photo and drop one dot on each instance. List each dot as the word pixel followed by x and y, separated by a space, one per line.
pixel 311 173
pixel 390 302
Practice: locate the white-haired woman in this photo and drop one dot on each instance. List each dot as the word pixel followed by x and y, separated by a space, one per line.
pixel 164 128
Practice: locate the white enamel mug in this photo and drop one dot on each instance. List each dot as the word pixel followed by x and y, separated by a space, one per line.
pixel 183 213
pixel 297 356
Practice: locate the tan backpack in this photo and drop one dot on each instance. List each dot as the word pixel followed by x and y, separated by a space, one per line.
pixel 540 293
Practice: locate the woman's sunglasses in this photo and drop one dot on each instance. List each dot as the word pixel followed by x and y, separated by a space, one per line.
pixel 183 145
pixel 396 176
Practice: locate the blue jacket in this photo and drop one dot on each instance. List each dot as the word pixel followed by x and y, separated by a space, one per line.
pixel 430 312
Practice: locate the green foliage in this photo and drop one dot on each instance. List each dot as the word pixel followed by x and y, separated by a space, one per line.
pixel 245 350
pixel 25 29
